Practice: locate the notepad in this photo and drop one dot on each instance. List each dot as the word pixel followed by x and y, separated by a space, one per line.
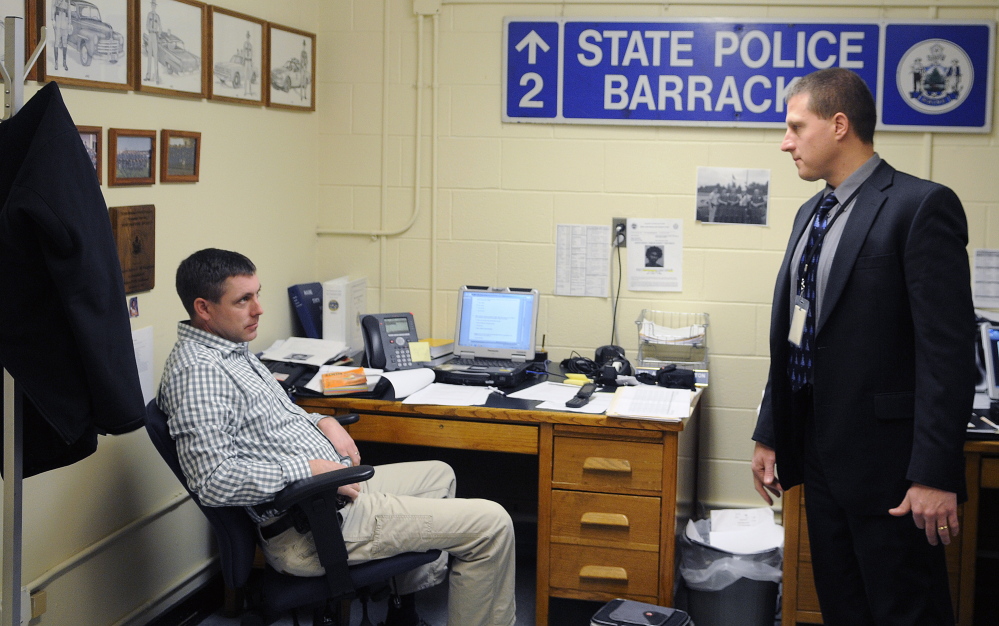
pixel 650 402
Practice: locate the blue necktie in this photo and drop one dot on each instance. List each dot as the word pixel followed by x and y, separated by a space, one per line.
pixel 799 367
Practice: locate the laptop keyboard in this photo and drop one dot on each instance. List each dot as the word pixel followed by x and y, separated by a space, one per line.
pixel 482 362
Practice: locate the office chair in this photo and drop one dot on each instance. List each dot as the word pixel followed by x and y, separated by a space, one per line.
pixel 312 502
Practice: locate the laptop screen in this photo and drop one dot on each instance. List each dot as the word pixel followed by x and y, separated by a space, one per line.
pixel 491 320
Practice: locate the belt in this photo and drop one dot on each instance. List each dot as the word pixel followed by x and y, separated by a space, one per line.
pixel 276 527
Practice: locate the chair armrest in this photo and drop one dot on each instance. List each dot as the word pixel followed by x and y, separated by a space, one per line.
pixel 348 418
pixel 300 490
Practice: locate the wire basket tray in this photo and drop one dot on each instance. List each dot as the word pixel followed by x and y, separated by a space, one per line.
pixel 666 337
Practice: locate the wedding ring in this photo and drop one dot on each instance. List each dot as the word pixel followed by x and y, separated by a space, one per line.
pixel 942 527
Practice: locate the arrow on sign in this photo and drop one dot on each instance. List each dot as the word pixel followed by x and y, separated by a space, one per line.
pixel 532 41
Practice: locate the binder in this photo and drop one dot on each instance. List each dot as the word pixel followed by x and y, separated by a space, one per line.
pixel 344 301
pixel 307 300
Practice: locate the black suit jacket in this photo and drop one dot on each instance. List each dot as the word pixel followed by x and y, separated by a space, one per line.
pixel 64 330
pixel 894 366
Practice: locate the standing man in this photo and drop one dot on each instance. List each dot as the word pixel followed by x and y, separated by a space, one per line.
pixel 872 367
pixel 153 28
pixel 63 29
pixel 248 64
pixel 240 441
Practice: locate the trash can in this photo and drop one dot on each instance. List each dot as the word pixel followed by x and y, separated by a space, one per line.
pixel 725 588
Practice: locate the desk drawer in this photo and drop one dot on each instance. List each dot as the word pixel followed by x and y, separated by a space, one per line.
pixel 620 573
pixel 600 519
pixel 607 465
pixel 440 433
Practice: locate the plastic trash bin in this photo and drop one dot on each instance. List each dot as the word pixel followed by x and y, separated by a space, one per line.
pixel 724 588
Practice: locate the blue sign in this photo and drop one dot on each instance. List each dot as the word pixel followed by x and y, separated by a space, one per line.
pixel 925 76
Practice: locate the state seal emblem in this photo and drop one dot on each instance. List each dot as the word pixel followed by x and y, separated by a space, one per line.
pixel 934 76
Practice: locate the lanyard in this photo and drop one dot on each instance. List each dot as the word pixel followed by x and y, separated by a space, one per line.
pixel 809 249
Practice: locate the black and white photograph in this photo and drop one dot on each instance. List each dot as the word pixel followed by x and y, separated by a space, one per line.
pixel 88 43
pixel 91 137
pixel 131 157
pixel 180 159
pixel 172 41
pixel 732 195
pixel 292 59
pixel 237 57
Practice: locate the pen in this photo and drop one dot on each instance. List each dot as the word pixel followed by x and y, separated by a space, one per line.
pixel 988 421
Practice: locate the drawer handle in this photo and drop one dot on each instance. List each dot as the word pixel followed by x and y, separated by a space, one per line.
pixel 602 464
pixel 604 572
pixel 605 519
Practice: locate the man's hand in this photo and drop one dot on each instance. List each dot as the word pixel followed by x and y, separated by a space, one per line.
pixel 321 466
pixel 764 476
pixel 342 442
pixel 933 510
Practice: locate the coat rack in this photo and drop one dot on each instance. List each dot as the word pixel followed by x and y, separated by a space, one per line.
pixel 15 600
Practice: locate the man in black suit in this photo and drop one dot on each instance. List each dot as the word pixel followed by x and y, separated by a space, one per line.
pixel 872 368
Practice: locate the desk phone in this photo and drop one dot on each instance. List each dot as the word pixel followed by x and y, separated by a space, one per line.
pixel 386 340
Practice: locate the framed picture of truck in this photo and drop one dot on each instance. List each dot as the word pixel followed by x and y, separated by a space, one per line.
pixel 170 46
pixel 88 42
pixel 292 61
pixel 238 46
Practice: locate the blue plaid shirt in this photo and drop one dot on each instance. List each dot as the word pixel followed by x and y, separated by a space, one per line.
pixel 239 437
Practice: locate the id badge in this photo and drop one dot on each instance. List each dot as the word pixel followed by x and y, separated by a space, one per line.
pixel 798 320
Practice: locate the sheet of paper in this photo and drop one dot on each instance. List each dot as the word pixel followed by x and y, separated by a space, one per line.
pixel 650 401
pixel 142 343
pixel 450 395
pixel 986 279
pixel 655 255
pixel 546 391
pixel 407 382
pixel 304 350
pixel 740 519
pixel 582 260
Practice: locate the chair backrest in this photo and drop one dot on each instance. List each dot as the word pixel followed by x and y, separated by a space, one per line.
pixel 234 530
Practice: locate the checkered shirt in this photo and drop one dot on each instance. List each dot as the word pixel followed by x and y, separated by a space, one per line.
pixel 239 437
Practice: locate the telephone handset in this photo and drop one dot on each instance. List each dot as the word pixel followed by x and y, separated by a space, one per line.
pixel 386 340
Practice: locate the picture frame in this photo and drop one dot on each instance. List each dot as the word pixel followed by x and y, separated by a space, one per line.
pixel 180 156
pixel 28 10
pixel 131 157
pixel 291 60
pixel 88 43
pixel 92 137
pixel 182 52
pixel 239 43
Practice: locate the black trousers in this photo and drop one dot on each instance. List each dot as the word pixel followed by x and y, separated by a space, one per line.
pixel 869 569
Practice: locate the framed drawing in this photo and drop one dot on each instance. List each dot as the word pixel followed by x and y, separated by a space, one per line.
pixel 131 157
pixel 27 10
pixel 170 47
pixel 180 156
pixel 91 136
pixel 238 44
pixel 88 42
pixel 292 60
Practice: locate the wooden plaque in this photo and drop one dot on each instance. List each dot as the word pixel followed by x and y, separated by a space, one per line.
pixel 134 229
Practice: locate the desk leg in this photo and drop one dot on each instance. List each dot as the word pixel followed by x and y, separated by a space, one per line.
pixel 545 450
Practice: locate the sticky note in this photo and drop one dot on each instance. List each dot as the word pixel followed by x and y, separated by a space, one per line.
pixel 419 351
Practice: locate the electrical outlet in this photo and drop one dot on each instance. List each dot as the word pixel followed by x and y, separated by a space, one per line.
pixel 619 232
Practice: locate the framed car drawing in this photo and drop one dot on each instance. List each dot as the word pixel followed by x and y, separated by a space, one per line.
pixel 26 10
pixel 292 59
pixel 91 137
pixel 170 46
pixel 88 42
pixel 180 156
pixel 131 157
pixel 238 44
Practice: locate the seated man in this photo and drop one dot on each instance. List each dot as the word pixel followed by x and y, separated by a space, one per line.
pixel 241 441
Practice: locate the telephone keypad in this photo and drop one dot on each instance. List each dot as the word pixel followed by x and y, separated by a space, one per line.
pixel 402 357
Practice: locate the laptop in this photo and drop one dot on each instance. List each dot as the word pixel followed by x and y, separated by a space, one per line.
pixel 494 339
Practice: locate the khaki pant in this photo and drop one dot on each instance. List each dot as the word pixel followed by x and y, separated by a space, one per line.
pixel 410 507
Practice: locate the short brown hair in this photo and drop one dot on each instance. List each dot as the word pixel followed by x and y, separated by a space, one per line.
pixel 837 90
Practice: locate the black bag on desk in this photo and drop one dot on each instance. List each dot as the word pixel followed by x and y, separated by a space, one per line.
pixel 669 376
pixel 630 613
pixel 291 375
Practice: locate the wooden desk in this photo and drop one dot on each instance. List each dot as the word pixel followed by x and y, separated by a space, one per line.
pixel 612 492
pixel 800 602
